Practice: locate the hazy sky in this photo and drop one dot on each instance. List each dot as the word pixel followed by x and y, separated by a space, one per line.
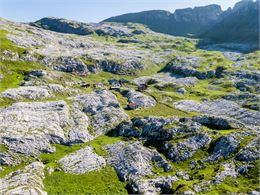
pixel 92 10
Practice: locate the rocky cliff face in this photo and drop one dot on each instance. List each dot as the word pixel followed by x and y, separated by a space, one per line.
pixel 200 15
pixel 239 26
pixel 181 22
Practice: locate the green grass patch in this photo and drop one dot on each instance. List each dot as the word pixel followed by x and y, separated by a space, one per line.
pixel 158 110
pixel 210 60
pixel 13 72
pixel 104 181
pixel 6 44
pixel 3 148
pixel 5 170
pixel 204 89
pixel 243 184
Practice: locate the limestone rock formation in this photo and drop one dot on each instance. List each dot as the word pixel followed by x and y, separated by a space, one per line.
pixel 103 109
pixel 225 146
pixel 250 152
pixel 132 161
pixel 185 149
pixel 26 181
pixel 30 127
pixel 82 161
pixel 223 108
pixel 32 92
pixel 153 186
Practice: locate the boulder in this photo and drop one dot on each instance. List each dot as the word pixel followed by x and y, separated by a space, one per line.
pixel 181 91
pixel 38 73
pixel 244 169
pixel 166 78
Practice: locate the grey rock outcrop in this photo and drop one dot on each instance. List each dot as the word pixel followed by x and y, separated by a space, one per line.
pixel 133 161
pixel 29 145
pixel 33 92
pixel 229 170
pixel 156 129
pixel 27 92
pixel 250 152
pixel 218 122
pixel 224 146
pixel 186 66
pixel 185 149
pixel 221 107
pixel 11 158
pixel 26 181
pixel 80 28
pixel 82 161
pixel 247 100
pixel 159 185
pixel 66 64
pixel 30 127
pixel 104 110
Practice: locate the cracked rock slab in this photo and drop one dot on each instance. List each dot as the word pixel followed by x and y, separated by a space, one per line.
pixel 103 110
pixel 28 181
pixel 159 185
pixel 82 161
pixel 30 127
pixel 32 92
pixel 250 152
pixel 187 148
pixel 133 161
pixel 221 107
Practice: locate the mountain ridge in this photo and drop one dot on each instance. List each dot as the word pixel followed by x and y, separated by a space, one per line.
pixel 239 24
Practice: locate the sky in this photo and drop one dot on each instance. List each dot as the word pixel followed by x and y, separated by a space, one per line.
pixel 92 10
